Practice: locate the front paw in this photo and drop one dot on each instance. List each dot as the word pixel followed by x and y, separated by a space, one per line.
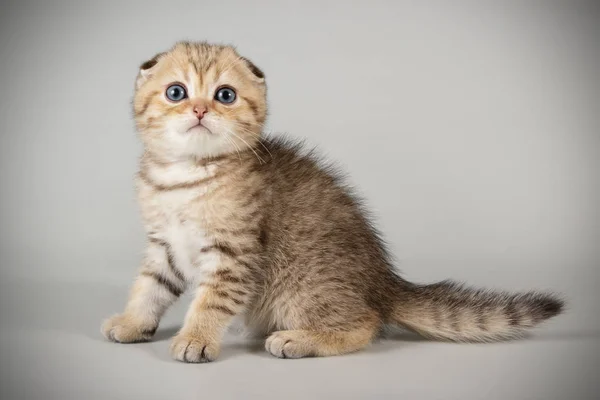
pixel 194 348
pixel 125 329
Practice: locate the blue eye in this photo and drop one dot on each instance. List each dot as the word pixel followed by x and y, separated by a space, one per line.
pixel 225 95
pixel 176 92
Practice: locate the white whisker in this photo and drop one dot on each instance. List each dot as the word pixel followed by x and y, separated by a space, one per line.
pixel 237 149
pixel 257 136
pixel 249 146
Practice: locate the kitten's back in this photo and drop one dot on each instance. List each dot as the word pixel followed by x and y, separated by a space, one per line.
pixel 330 250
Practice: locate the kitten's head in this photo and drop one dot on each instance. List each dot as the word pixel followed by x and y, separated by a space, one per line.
pixel 199 100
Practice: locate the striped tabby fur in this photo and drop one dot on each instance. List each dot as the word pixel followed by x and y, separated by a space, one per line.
pixel 260 228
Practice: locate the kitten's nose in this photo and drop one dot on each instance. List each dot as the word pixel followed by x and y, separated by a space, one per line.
pixel 199 110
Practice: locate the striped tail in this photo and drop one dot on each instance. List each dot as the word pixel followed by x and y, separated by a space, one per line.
pixel 452 311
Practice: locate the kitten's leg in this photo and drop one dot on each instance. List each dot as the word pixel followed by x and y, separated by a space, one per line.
pixel 157 286
pixel 219 298
pixel 309 343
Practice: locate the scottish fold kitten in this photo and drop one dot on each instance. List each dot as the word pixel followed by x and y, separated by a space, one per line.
pixel 259 228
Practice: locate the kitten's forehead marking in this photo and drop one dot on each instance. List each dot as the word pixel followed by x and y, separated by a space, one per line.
pixel 193 81
pixel 203 80
pixel 203 69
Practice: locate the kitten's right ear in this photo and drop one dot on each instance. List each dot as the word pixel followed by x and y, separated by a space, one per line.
pixel 258 74
pixel 147 69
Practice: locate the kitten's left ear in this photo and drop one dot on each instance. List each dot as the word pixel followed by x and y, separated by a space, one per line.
pixel 258 74
pixel 147 69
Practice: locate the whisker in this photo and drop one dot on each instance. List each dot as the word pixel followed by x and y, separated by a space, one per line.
pixel 259 141
pixel 237 149
pixel 239 127
pixel 245 130
pixel 250 147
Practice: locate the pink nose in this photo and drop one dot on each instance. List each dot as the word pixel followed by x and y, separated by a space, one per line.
pixel 199 111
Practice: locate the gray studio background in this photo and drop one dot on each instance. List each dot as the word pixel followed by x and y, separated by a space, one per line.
pixel 472 128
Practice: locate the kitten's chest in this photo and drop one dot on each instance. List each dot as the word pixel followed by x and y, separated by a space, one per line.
pixel 173 199
pixel 186 210
pixel 178 218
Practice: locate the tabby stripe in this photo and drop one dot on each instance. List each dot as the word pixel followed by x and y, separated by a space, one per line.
pixel 230 252
pixel 210 285
pixel 512 314
pixel 222 293
pixel 246 125
pixel 238 292
pixel 211 159
pixel 225 249
pixel 218 70
pixel 193 61
pixel 225 295
pixel 198 65
pixel 481 311
pixel 170 286
pixel 237 301
pixel 455 320
pixel 182 185
pixel 251 216
pixel 210 64
pixel 238 232
pixel 226 276
pixel 252 105
pixel 223 309
pixel 146 104
pixel 252 199
pixel 171 262
pixel 263 238
pixel 170 258
pixel 157 241
pixel 482 322
pixel 217 286
pixel 438 318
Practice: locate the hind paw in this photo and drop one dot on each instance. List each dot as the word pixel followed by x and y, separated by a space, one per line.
pixel 286 344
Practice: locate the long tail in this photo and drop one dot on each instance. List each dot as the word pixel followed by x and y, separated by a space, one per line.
pixel 452 311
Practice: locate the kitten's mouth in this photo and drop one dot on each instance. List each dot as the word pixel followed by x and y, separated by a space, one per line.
pixel 199 128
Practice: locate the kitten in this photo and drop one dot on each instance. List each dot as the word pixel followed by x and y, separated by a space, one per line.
pixel 258 228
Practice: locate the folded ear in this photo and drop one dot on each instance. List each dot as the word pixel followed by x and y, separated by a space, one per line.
pixel 258 74
pixel 147 69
